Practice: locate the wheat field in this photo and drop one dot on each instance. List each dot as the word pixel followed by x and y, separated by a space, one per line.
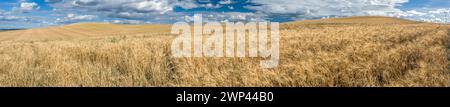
pixel 345 52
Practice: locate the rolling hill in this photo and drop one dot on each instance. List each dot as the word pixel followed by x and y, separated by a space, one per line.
pixel 80 30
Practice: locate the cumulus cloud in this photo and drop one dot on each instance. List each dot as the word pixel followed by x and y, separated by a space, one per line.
pixel 138 6
pixel 155 10
pixel 27 6
pixel 71 18
pixel 144 10
pixel 151 6
pixel 185 4
pixel 310 9
pixel 320 8
pixel 437 15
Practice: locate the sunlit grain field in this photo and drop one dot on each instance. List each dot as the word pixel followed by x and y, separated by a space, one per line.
pixel 347 52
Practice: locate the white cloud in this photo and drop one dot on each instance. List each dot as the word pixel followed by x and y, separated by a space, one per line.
pixel 437 15
pixel 440 11
pixel 224 2
pixel 228 17
pixel 415 13
pixel 163 10
pixel 27 6
pixel 186 4
pixel 6 16
pixel 70 18
pixel 10 18
pixel 126 9
pixel 150 6
pixel 127 22
pixel 141 6
pixel 211 6
pixel 320 8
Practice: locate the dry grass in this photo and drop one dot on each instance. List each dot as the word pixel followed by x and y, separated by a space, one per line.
pixel 331 52
pixel 81 30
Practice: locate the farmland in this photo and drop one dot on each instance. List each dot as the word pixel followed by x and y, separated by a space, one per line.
pixel 345 52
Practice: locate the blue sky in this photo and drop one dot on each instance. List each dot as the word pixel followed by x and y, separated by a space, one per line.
pixel 43 13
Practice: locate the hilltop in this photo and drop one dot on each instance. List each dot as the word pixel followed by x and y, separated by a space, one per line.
pixel 349 21
pixel 359 20
pixel 80 30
